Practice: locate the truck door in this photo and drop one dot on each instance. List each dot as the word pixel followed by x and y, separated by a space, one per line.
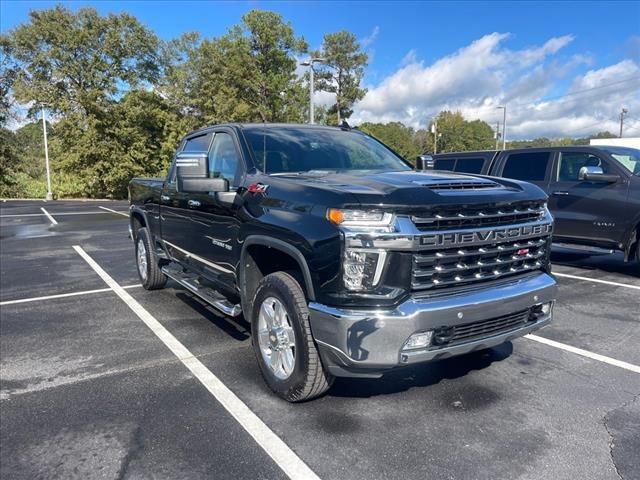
pixel 175 220
pixel 214 216
pixel 589 212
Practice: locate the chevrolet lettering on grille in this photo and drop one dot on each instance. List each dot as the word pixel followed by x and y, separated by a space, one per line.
pixel 452 239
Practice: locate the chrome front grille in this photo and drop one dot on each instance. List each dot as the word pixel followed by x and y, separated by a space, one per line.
pixel 464 265
pixel 481 216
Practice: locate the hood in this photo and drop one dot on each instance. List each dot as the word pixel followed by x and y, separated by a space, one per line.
pixel 415 189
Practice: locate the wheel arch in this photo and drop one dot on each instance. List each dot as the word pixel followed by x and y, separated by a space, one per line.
pixel 137 220
pixel 283 248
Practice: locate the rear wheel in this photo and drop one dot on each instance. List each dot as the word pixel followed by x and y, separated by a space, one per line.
pixel 149 271
pixel 282 340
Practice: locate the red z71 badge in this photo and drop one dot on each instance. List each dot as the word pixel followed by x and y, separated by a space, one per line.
pixel 257 188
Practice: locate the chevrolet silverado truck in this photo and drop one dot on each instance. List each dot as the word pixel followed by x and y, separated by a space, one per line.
pixel 344 259
pixel 594 191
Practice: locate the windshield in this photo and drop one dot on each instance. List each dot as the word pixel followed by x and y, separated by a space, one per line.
pixel 301 149
pixel 629 158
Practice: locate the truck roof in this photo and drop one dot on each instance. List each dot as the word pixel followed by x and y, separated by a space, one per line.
pixel 265 126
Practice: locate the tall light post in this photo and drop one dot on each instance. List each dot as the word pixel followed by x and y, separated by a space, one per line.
pixel 504 126
pixel 623 112
pixel 434 130
pixel 310 65
pixel 46 154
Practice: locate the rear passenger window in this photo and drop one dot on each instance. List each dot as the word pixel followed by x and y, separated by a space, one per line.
pixel 198 144
pixel 469 165
pixel 571 163
pixel 526 166
pixel 445 163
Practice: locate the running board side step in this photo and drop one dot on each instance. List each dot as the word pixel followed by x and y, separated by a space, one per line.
pixel 209 295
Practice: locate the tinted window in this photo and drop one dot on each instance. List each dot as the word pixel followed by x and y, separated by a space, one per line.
pixel 528 166
pixel 571 163
pixel 294 149
pixel 445 163
pixel 469 165
pixel 198 144
pixel 223 158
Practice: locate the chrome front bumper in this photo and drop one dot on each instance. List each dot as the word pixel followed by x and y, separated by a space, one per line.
pixel 369 342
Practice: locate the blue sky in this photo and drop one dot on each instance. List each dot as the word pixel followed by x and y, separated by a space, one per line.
pixel 470 56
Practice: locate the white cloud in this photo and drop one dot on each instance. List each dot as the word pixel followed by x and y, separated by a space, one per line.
pixel 372 37
pixel 484 74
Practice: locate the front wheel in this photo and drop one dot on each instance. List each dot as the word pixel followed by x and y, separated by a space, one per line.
pixel 149 271
pixel 282 340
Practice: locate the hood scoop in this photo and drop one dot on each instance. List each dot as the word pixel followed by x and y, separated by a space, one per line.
pixel 460 185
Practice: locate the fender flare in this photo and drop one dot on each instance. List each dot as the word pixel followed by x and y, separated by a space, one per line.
pixel 283 247
pixel 134 210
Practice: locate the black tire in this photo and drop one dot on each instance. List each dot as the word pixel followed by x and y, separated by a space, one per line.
pixel 152 278
pixel 308 379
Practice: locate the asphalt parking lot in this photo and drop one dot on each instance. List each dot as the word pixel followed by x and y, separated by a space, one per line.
pixel 88 390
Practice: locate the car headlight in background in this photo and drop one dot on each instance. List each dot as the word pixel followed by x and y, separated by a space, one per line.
pixel 361 220
pixel 363 268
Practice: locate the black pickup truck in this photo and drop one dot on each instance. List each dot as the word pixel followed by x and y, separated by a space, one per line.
pixel 345 260
pixel 594 191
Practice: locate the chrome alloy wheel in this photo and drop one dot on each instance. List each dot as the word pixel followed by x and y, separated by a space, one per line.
pixel 142 260
pixel 277 338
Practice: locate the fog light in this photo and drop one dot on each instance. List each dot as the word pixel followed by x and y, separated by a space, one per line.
pixel 418 340
pixel 540 310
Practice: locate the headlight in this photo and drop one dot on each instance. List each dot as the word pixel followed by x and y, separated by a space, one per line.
pixel 363 268
pixel 361 220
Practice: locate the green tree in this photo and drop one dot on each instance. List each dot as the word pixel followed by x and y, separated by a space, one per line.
pixel 344 73
pixel 455 134
pixel 84 66
pixel 8 72
pixel 9 160
pixel 75 62
pixel 396 135
pixel 247 74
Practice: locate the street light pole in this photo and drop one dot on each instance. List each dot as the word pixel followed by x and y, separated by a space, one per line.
pixel 504 126
pixel 311 72
pixel 623 112
pixel 434 130
pixel 46 155
pixel 312 117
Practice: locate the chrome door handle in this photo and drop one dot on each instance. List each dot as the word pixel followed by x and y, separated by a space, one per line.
pixel 165 198
pixel 193 203
pixel 560 193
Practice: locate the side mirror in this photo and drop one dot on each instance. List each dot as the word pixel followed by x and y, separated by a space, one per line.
pixel 425 162
pixel 192 174
pixel 595 174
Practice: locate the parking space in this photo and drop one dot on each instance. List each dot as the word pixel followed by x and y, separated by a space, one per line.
pixel 92 383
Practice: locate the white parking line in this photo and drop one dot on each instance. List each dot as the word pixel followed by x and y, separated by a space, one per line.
pixel 585 353
pixel 61 295
pixel 596 280
pixel 283 456
pixel 51 219
pixel 114 211
pixel 53 213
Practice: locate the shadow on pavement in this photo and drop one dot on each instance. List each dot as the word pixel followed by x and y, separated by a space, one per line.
pixel 610 263
pixel 420 375
pixel 237 328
